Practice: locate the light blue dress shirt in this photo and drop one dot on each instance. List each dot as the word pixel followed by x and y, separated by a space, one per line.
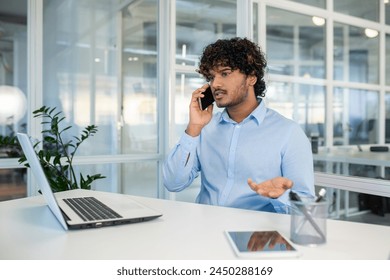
pixel 263 146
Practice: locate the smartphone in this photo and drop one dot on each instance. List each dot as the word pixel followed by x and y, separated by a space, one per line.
pixel 207 100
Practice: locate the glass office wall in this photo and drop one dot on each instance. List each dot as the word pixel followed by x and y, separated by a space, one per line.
pixel 198 23
pixel 13 95
pixel 194 31
pixel 316 3
pixel 12 183
pixel 356 59
pixel 387 59
pixel 79 66
pixel 100 66
pixel 325 73
pixel 387 11
pixel 13 68
pixel 355 116
pixel 301 102
pixel 356 54
pixel 139 103
pixel 134 178
pixel 295 46
pixel 358 8
pixel 387 113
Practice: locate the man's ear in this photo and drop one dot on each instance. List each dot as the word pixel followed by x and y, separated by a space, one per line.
pixel 252 79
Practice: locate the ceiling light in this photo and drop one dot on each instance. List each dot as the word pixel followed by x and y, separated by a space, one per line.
pixel 132 58
pixel 319 21
pixel 371 33
pixel 13 104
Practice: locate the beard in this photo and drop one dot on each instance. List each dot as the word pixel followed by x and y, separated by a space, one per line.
pixel 233 97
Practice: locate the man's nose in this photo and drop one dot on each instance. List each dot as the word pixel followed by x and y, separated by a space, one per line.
pixel 216 82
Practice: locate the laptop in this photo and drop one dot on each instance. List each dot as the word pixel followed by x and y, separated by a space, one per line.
pixel 80 209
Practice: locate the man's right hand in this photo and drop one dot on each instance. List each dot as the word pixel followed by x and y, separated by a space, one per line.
pixel 198 118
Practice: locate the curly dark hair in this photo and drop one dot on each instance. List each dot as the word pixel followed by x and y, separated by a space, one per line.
pixel 236 53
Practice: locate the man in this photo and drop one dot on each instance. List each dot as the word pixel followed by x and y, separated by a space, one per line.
pixel 248 156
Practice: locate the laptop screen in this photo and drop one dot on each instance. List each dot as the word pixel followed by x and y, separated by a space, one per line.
pixel 40 176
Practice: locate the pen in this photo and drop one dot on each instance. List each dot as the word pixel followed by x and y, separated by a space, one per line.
pixel 294 196
pixel 321 195
pixel 320 198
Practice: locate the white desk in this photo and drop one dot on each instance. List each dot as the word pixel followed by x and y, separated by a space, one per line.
pixel 185 231
pixel 352 155
pixel 343 157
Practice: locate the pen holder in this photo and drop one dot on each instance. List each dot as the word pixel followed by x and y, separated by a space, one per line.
pixel 308 222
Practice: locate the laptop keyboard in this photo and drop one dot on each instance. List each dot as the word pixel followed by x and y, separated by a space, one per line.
pixel 91 209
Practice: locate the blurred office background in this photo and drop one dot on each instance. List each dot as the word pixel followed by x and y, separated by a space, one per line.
pixel 128 66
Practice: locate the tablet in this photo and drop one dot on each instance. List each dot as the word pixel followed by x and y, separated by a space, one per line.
pixel 261 244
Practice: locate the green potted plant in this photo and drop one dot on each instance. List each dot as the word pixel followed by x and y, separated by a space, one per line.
pixel 57 154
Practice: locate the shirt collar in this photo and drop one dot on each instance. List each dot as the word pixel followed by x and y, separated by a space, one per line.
pixel 258 114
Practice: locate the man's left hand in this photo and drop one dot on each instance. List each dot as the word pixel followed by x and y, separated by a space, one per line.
pixel 271 188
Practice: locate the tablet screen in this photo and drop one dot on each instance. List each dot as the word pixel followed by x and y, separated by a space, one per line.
pixel 261 242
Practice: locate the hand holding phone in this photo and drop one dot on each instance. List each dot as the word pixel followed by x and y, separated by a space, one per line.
pixel 207 100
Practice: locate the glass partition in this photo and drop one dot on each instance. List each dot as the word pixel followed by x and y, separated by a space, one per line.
pixel 100 67
pixel 387 11
pixel 348 95
pixel 316 3
pixel 303 103
pixel 139 102
pixel 255 15
pixel 13 96
pixel 12 183
pixel 358 8
pixel 13 75
pixel 296 47
pixel 295 44
pixel 185 85
pixel 199 23
pixel 387 122
pixel 355 116
pixel 387 64
pixel 356 54
pixel 138 178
